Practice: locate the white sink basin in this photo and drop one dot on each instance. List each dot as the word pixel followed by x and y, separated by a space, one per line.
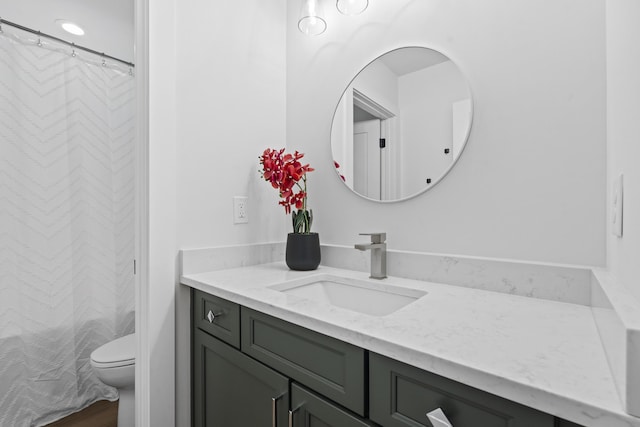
pixel 364 296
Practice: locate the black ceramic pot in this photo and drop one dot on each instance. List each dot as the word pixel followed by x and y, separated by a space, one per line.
pixel 303 251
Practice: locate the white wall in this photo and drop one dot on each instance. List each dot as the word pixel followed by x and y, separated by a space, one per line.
pixel 377 83
pixel 531 183
pixel 155 308
pixel 380 84
pixel 230 106
pixel 342 135
pixel 426 100
pixel 623 134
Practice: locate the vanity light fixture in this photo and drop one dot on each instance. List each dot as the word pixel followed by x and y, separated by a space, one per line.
pixel 311 21
pixel 70 27
pixel 352 7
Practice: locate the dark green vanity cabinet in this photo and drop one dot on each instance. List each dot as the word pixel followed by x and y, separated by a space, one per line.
pixel 254 370
pixel 233 390
pixel 251 388
pixel 401 395
pixel 310 410
pixel 330 367
pixel 216 316
pixel 563 423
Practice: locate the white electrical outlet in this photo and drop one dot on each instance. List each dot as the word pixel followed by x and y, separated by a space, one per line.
pixel 240 209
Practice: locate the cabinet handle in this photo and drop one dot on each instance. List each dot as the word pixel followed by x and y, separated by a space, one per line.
pixel 438 418
pixel 274 410
pixel 211 316
pixel 291 412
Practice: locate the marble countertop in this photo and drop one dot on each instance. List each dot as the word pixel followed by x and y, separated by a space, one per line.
pixel 540 353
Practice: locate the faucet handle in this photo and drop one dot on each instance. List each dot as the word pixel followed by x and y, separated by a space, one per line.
pixel 376 237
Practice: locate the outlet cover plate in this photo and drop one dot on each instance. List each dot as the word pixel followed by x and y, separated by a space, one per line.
pixel 240 209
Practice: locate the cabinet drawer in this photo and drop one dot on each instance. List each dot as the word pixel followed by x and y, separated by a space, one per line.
pixel 401 395
pixel 311 410
pixel 331 367
pixel 217 316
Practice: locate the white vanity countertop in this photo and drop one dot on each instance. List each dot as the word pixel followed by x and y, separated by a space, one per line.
pixel 540 353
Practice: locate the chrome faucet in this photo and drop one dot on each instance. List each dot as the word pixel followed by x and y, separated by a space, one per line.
pixel 378 249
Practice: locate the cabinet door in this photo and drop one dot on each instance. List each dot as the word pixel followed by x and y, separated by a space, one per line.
pixel 402 395
pixel 233 390
pixel 311 410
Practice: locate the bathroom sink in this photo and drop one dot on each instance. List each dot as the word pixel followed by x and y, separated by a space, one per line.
pixel 364 296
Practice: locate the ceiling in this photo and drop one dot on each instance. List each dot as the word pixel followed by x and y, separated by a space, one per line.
pixel 407 60
pixel 108 24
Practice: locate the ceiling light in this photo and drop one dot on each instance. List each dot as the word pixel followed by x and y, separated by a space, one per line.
pixel 311 22
pixel 70 27
pixel 352 7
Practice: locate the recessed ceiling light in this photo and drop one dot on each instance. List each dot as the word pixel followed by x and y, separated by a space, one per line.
pixel 70 27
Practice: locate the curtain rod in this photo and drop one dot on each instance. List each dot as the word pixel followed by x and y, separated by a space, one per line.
pixel 59 40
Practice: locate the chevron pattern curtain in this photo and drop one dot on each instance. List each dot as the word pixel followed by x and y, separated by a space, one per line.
pixel 66 226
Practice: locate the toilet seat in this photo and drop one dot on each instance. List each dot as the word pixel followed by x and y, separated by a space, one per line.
pixel 117 353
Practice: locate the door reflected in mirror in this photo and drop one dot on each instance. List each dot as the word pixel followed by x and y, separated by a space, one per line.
pixel 401 124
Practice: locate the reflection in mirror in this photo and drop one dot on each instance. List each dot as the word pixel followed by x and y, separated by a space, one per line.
pixel 401 124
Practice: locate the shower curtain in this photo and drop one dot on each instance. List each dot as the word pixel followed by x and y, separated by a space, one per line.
pixel 66 224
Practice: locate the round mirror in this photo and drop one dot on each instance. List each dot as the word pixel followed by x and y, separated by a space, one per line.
pixel 401 124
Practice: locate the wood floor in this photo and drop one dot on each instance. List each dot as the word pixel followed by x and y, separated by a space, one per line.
pixel 101 414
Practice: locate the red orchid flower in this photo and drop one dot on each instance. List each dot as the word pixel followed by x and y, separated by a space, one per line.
pixel 288 175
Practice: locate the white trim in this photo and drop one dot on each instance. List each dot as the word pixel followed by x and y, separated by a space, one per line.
pixel 142 380
pixel 367 104
pixel 387 167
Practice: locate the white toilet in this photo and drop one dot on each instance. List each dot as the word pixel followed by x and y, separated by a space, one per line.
pixel 114 363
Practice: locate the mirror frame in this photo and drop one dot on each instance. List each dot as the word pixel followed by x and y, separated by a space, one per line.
pixel 453 162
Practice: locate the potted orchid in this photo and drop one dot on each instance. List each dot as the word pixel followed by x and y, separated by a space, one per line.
pixel 286 173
